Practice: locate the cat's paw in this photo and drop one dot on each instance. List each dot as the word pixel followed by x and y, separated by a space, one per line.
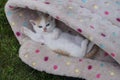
pixel 85 42
pixel 78 39
pixel 55 36
pixel 84 46
pixel 25 31
pixel 56 33
pixel 22 29
pixel 90 46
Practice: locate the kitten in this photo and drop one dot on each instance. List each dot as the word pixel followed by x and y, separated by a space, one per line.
pixel 47 33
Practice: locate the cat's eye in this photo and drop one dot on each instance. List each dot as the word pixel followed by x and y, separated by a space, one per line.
pixel 40 26
pixel 48 24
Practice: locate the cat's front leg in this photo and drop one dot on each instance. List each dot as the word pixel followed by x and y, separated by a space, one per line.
pixel 56 33
pixel 27 32
pixel 32 35
pixel 84 46
pixel 78 39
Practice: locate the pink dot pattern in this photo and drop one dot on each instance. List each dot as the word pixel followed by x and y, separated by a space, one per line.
pixel 55 67
pixel 46 58
pixel 18 34
pixel 98 75
pixel 37 51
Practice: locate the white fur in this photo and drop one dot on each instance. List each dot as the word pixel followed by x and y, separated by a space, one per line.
pixel 55 39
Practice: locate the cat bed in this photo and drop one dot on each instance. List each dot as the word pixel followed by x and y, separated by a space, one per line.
pixel 98 21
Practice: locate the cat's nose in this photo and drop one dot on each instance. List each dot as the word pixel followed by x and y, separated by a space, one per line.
pixel 45 29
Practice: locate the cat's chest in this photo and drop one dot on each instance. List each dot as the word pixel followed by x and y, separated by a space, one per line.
pixel 47 35
pixel 48 39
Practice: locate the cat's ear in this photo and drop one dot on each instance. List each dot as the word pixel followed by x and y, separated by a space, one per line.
pixel 40 14
pixel 33 22
pixel 50 18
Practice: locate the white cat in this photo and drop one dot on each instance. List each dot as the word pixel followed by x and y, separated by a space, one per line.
pixel 47 33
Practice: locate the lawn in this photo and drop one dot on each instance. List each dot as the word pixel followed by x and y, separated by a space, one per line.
pixel 11 67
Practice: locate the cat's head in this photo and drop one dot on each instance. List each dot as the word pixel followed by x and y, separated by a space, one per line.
pixel 44 23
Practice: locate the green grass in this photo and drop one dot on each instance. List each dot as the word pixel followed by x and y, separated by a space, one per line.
pixel 11 67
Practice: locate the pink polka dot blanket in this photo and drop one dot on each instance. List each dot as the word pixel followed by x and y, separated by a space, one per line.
pixel 97 20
